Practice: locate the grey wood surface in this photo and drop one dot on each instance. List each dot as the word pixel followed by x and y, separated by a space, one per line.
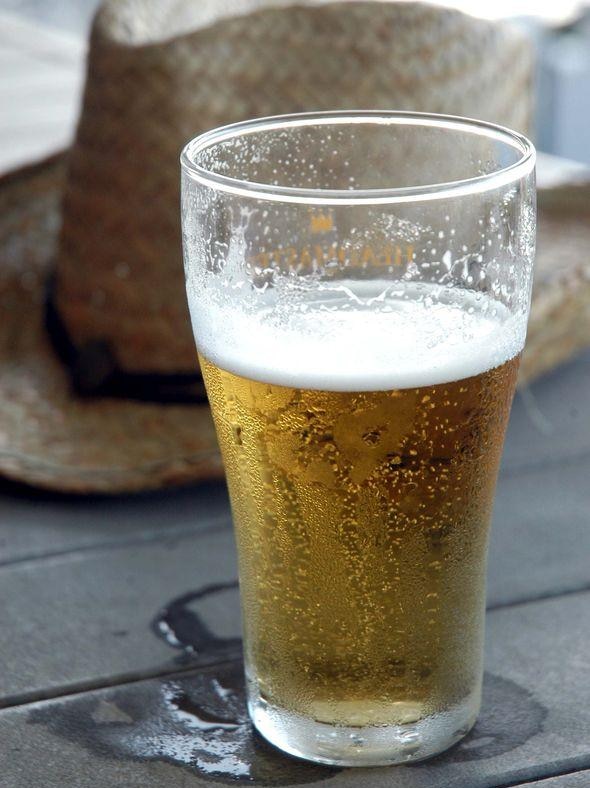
pixel 36 524
pixel 535 722
pixel 549 422
pixel 571 780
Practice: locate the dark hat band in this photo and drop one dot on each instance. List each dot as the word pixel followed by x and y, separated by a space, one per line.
pixel 94 371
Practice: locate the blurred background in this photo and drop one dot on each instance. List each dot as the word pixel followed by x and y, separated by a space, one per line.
pixel 44 42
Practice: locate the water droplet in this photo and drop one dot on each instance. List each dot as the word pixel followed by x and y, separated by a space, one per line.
pixel 237 434
pixel 372 437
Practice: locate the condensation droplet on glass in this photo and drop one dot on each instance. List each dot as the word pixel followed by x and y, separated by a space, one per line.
pixel 237 434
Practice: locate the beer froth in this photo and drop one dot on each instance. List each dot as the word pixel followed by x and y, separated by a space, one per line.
pixel 360 336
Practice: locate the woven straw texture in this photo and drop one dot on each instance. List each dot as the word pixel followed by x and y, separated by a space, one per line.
pixel 151 87
pixel 559 324
pixel 49 437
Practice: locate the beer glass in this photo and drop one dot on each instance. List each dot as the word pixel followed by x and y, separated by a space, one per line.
pixel 359 287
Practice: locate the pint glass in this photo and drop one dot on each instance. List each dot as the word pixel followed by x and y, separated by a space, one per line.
pixel 359 287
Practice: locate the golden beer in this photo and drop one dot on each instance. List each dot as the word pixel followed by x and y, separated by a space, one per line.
pixel 362 523
pixel 359 287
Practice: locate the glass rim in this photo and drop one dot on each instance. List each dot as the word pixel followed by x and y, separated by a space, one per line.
pixel 400 194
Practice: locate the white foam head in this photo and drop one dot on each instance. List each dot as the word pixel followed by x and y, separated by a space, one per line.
pixel 359 336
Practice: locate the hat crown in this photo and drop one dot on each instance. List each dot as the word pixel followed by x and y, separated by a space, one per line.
pixel 162 71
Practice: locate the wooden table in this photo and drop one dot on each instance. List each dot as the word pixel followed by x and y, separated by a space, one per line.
pixel 119 625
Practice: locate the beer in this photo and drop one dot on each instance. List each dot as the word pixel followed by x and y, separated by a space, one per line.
pixel 361 434
pixel 359 287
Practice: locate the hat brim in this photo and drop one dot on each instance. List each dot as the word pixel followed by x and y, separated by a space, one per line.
pixel 51 438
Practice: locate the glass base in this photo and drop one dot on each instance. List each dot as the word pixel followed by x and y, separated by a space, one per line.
pixel 363 745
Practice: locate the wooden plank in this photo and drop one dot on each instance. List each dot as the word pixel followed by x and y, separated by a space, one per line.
pixel 79 620
pixel 540 539
pixel 35 523
pixel 535 722
pixel 571 780
pixel 550 420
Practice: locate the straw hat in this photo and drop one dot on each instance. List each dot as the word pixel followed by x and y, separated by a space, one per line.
pixel 100 389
